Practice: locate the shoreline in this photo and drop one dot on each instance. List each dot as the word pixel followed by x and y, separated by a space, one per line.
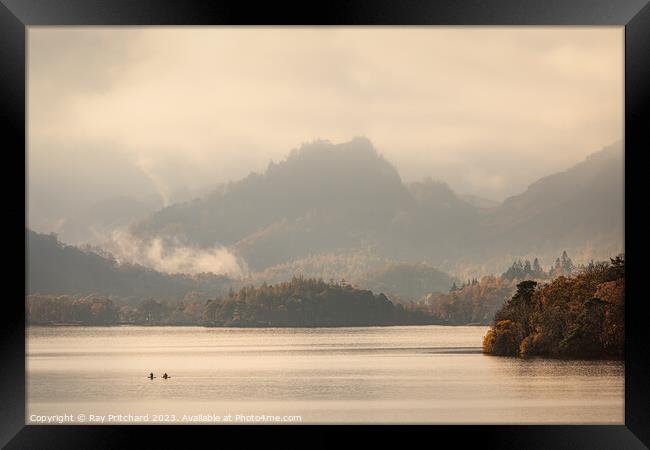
pixel 117 325
pixel 128 325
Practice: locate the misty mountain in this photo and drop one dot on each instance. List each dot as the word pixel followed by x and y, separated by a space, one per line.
pixel 404 282
pixel 351 264
pixel 362 267
pixel 327 198
pixel 323 197
pixel 56 268
pixel 580 210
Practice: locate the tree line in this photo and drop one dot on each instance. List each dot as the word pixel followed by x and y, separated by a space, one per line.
pixel 520 270
pixel 312 302
pixel 301 302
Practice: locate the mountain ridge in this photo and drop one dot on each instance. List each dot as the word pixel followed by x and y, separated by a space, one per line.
pixel 326 197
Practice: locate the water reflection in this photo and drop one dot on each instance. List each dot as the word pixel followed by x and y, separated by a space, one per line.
pixel 425 374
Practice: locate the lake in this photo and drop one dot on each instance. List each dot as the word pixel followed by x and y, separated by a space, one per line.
pixel 415 374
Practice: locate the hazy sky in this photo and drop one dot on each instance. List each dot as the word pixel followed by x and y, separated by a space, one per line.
pixel 135 111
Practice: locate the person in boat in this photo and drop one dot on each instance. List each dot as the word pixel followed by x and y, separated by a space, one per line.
pixel 165 376
pixel 151 377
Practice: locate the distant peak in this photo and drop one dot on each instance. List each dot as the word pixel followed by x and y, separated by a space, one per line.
pixel 357 148
pixel 360 142
pixel 615 149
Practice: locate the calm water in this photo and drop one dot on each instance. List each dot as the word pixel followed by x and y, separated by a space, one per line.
pixel 428 374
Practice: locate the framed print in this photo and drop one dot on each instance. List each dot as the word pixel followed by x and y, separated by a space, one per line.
pixel 305 218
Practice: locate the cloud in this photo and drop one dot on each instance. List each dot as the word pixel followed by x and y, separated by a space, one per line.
pixel 209 105
pixel 173 257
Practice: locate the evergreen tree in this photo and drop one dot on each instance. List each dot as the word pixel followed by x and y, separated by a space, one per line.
pixel 567 264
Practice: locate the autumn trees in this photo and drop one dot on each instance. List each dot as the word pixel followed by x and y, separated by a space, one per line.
pixel 90 310
pixel 301 302
pixel 474 302
pixel 578 316
pixel 477 301
pixel 97 310
pixel 306 302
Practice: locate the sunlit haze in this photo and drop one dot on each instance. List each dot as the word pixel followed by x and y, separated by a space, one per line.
pixel 166 113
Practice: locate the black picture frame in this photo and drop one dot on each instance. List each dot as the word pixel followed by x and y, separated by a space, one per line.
pixel 634 15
